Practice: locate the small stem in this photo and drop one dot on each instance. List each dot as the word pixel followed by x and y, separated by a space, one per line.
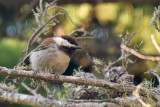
pixel 28 89
pixel 39 29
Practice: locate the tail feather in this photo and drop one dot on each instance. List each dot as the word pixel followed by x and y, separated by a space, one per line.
pixel 25 62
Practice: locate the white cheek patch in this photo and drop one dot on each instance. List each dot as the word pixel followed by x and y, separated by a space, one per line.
pixel 62 42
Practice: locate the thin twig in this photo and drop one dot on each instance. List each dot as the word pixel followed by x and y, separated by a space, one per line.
pixel 32 91
pixel 24 51
pixel 53 2
pixel 79 30
pixel 115 62
pixel 46 9
pixel 37 88
pixel 37 19
pixel 40 33
pixel 84 38
pixel 155 43
pixel 136 93
pixel 41 6
pixel 43 22
pixel 45 86
pixel 67 15
pixel 156 15
pixel 155 74
pixel 27 12
pixel 131 36
pixel 123 54
pixel 139 55
pixel 39 29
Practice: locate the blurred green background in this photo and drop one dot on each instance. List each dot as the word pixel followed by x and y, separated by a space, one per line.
pixel 17 24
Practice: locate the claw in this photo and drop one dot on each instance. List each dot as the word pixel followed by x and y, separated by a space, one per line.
pixel 56 75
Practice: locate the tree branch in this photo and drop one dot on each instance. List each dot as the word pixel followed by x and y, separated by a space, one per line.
pixel 45 102
pixel 123 55
pixel 32 91
pixel 39 30
pixel 139 55
pixel 155 74
pixel 61 78
pixel 136 93
pixel 155 43
pixel 22 98
pixel 77 80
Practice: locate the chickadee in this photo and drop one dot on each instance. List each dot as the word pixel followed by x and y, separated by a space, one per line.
pixel 53 53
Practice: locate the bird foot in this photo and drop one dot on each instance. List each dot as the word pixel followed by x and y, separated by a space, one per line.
pixel 56 75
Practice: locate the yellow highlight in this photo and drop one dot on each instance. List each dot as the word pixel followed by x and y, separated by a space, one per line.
pixel 105 12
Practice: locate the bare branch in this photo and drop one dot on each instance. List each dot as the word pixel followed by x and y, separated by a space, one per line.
pixel 40 101
pixel 123 52
pixel 53 2
pixel 42 13
pixel 48 8
pixel 37 19
pixel 51 77
pixel 155 17
pixel 41 6
pixel 136 93
pixel 155 74
pixel 36 89
pixel 39 29
pixel 27 12
pixel 122 102
pixel 115 101
pixel 44 84
pixel 29 89
pixel 123 55
pixel 22 98
pixel 40 33
pixel 75 80
pixel 131 36
pixel 155 43
pixel 113 63
pixel 67 15
pixel 139 55
pixel 80 30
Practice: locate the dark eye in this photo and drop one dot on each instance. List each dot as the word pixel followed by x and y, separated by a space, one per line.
pixel 68 48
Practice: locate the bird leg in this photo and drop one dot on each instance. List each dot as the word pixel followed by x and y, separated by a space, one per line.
pixel 57 75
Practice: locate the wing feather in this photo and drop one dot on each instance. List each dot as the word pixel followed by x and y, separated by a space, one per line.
pixel 26 60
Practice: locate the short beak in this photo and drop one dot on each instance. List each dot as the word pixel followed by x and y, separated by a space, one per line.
pixel 78 47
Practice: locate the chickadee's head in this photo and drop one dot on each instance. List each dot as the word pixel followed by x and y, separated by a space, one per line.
pixel 67 44
pixel 66 41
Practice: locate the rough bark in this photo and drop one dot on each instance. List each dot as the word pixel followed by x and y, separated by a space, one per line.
pixel 78 80
pixel 40 101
